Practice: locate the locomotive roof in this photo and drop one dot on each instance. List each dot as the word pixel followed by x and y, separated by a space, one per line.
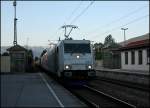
pixel 73 41
pixel 76 41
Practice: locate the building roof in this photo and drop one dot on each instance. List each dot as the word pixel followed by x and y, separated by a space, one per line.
pixel 17 48
pixel 138 38
pixel 137 43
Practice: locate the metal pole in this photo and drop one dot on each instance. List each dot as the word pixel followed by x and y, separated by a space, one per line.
pixel 124 29
pixel 15 23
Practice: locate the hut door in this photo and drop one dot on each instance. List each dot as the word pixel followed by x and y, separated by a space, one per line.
pixel 20 66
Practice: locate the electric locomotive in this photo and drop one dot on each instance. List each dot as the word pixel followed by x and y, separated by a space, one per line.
pixel 70 59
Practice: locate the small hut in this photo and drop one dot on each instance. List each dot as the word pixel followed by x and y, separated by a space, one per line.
pixel 18 56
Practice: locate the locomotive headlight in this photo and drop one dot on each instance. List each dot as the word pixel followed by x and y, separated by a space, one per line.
pixel 66 67
pixel 78 56
pixel 89 67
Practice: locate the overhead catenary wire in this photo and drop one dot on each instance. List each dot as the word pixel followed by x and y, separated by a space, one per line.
pixel 67 19
pixel 82 12
pixel 78 16
pixel 119 19
pixel 74 11
pixel 135 20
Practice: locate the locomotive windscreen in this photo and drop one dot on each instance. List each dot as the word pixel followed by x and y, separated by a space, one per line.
pixel 77 48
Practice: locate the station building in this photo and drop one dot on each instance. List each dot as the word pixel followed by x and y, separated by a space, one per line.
pixel 18 58
pixel 135 54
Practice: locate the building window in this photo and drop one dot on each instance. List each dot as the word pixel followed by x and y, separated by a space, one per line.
pixel 126 57
pixel 20 55
pixel 132 57
pixel 148 56
pixel 140 57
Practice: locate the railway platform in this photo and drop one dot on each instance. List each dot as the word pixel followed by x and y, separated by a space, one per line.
pixel 35 90
pixel 141 72
pixel 131 76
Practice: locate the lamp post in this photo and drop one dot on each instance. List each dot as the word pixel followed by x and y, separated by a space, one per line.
pixel 124 29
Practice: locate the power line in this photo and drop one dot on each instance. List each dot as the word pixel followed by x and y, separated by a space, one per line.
pixel 135 20
pixel 80 13
pixel 119 19
pixel 74 11
pixel 77 17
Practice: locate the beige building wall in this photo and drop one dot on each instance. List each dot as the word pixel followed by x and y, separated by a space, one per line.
pixel 144 66
pixel 5 63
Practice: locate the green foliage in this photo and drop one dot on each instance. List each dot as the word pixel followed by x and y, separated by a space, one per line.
pixel 30 60
pixel 30 56
pixel 30 53
pixel 110 42
pixel 36 58
pixel 98 55
pixel 98 50
pixel 5 54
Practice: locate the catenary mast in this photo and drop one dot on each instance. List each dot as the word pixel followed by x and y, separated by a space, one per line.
pixel 15 24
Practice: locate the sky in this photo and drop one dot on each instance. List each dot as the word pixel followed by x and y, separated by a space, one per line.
pixel 39 22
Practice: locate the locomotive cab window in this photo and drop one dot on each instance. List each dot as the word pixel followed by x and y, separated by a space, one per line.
pixel 77 48
pixel 57 50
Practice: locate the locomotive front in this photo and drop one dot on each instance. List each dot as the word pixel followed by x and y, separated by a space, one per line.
pixel 78 59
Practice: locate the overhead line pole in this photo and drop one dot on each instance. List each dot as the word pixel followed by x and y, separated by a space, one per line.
pixel 124 29
pixel 135 20
pixel 119 19
pixel 15 24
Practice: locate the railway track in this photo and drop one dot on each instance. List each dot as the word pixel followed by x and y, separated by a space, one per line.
pixel 130 94
pixel 96 98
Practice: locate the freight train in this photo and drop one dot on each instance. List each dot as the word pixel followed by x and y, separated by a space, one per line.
pixel 70 59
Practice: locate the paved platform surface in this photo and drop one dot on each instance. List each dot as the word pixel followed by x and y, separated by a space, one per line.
pixel 131 76
pixel 124 71
pixel 35 90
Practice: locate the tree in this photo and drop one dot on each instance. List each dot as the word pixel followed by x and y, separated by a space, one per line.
pixel 98 50
pixel 30 60
pixel 110 42
pixel 5 54
pixel 109 53
pixel 98 46
pixel 36 58
pixel 30 56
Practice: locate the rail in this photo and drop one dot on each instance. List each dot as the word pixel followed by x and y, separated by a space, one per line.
pixel 110 97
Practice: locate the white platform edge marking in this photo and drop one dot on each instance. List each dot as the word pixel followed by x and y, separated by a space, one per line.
pixel 52 91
